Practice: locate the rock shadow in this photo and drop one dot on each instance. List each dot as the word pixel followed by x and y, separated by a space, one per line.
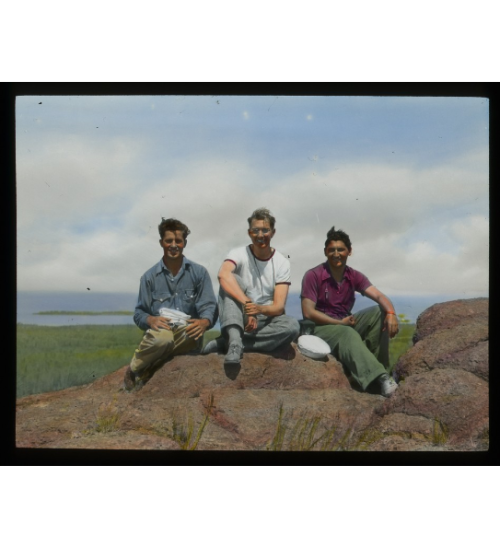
pixel 232 371
pixel 286 352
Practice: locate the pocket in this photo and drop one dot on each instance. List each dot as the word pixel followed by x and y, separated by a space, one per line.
pixel 160 297
pixel 189 295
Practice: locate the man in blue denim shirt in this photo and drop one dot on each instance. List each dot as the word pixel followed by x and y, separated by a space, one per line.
pixel 177 284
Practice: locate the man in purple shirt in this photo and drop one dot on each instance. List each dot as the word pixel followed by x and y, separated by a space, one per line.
pixel 360 341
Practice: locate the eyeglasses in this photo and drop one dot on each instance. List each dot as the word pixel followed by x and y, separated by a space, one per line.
pixel 255 231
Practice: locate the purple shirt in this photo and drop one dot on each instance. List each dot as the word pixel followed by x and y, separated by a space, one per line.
pixel 330 297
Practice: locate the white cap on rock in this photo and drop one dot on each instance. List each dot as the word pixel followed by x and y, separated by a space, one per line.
pixel 313 346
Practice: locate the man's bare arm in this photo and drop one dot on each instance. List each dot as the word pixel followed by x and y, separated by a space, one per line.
pixel 229 284
pixel 274 309
pixel 390 321
pixel 309 311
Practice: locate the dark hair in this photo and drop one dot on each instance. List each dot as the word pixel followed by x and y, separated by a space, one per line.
pixel 337 235
pixel 262 214
pixel 172 225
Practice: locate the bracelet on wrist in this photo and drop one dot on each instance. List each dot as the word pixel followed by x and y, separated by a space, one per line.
pixel 390 312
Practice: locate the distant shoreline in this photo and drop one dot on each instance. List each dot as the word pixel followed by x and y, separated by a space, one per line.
pixel 83 313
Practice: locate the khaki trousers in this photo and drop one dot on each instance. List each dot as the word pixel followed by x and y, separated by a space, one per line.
pixel 157 347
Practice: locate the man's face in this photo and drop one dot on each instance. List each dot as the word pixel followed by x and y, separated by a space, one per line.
pixel 260 233
pixel 337 253
pixel 172 244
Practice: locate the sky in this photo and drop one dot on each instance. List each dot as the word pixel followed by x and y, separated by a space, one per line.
pixel 406 177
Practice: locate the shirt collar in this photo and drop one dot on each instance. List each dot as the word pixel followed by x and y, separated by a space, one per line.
pixel 326 274
pixel 261 259
pixel 161 265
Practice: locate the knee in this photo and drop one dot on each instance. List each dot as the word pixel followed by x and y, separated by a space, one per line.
pixel 378 313
pixel 291 325
pixel 295 328
pixel 350 336
pixel 161 338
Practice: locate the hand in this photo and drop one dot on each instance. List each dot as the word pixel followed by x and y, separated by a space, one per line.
pixel 196 328
pixel 391 324
pixel 251 325
pixel 157 323
pixel 350 321
pixel 252 309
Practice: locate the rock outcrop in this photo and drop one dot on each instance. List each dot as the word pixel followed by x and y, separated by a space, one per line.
pixel 285 401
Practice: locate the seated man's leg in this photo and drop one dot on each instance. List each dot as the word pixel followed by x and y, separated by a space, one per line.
pixel 232 323
pixel 272 332
pixel 369 324
pixel 348 347
pixel 155 348
pixel 231 312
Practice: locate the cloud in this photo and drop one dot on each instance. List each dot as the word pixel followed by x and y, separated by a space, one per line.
pixel 73 179
pixel 376 204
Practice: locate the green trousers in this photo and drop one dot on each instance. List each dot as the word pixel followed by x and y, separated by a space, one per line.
pixel 364 348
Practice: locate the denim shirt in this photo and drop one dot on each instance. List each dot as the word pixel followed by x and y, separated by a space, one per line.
pixel 190 291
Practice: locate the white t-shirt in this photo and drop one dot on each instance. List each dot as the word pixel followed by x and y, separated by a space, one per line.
pixel 260 276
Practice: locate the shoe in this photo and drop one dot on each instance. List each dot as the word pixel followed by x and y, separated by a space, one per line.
pixel 234 354
pixel 218 345
pixel 387 385
pixel 129 379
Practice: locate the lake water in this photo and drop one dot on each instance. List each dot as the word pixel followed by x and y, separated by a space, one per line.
pixel 28 303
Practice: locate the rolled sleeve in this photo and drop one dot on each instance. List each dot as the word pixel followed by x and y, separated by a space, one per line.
pixel 206 303
pixel 143 306
pixel 310 287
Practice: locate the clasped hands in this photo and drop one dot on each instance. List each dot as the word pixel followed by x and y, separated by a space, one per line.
pixel 390 323
pixel 251 310
pixel 350 321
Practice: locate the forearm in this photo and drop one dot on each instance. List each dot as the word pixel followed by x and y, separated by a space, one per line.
pixel 386 304
pixel 143 310
pixel 272 310
pixel 232 288
pixel 276 308
pixel 206 304
pixel 141 319
pixel 320 318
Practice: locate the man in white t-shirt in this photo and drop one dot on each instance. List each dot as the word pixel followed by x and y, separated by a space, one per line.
pixel 254 282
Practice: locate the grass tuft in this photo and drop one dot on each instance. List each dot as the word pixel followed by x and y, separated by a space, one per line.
pixel 439 432
pixel 182 432
pixel 106 419
pixel 304 435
